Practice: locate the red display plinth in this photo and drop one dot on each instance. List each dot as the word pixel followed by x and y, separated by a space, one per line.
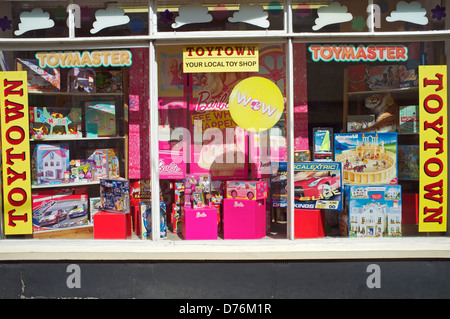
pixel 110 225
pixel 309 223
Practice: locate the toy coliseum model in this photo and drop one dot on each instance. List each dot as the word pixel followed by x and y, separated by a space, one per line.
pixel 368 163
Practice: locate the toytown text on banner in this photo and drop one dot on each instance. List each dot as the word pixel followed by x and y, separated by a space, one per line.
pixel 221 58
pixel 433 148
pixel 15 153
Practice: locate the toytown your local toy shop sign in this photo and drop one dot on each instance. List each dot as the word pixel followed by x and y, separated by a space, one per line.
pixel 15 153
pixel 220 58
pixel 433 148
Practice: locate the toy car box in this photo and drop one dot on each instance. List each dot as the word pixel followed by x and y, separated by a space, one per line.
pixel 317 185
pixel 115 195
pixel 374 211
pixel 367 158
pixel 59 212
pixel 252 190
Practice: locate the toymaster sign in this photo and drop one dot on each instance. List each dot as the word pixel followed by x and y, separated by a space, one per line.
pixel 433 148
pixel 350 53
pixel 15 153
pixel 75 59
pixel 220 58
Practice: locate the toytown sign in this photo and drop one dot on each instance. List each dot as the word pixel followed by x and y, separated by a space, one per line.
pixel 15 153
pixel 433 148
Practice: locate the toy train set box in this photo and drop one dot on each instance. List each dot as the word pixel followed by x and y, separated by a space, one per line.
pixel 374 211
pixel 317 185
pixel 367 158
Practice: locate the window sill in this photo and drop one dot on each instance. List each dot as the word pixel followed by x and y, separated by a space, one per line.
pixel 223 250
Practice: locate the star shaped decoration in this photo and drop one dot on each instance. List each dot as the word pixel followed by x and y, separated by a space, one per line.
pixel 5 23
pixel 438 13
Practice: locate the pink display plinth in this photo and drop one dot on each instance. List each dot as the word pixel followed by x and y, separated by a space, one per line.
pixel 199 223
pixel 244 218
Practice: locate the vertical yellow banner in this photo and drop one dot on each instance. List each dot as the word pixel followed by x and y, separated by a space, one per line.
pixel 433 148
pixel 16 177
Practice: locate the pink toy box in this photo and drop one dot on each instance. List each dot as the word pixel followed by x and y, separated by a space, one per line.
pixel 252 190
pixel 244 218
pixel 199 223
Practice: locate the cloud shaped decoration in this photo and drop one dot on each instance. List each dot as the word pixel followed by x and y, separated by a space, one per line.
pixel 332 14
pixel 109 17
pixel 194 13
pixel 409 12
pixel 37 19
pixel 251 14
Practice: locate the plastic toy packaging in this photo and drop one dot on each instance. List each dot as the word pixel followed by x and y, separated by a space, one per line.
pixel 115 195
pixel 81 80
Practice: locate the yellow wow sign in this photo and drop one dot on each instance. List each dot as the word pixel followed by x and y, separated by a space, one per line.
pixel 433 148
pixel 17 204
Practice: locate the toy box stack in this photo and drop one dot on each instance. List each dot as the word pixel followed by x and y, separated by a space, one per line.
pixel 374 211
pixel 113 221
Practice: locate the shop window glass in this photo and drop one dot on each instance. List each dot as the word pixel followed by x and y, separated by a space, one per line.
pixel 360 16
pixel 207 16
pixel 349 98
pixel 50 19
pixel 207 161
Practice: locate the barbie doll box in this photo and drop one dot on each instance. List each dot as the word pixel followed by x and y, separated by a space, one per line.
pixel 252 190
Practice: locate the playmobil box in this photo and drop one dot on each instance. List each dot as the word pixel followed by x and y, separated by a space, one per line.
pixel 38 79
pixel 115 195
pixel 51 122
pixel 52 163
pixel 252 190
pixel 367 158
pixel 317 185
pixel 145 212
pixel 374 211
pixel 100 118
pixel 59 212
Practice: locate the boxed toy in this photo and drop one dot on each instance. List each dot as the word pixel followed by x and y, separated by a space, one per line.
pixel 106 163
pixel 317 185
pixel 323 144
pixel 38 79
pixel 115 195
pixel 357 78
pixel 108 81
pixel 59 212
pixel 94 207
pixel 51 122
pixel 52 163
pixel 408 77
pixel 145 209
pixel 409 119
pixel 81 80
pixel 302 156
pixel 408 161
pixel 81 170
pixel 252 190
pixel 356 123
pixel 100 118
pixel 367 158
pixel 374 211
pixel 383 77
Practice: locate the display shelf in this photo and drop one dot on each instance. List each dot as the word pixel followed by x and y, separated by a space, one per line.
pixel 63 138
pixel 65 185
pixel 82 94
